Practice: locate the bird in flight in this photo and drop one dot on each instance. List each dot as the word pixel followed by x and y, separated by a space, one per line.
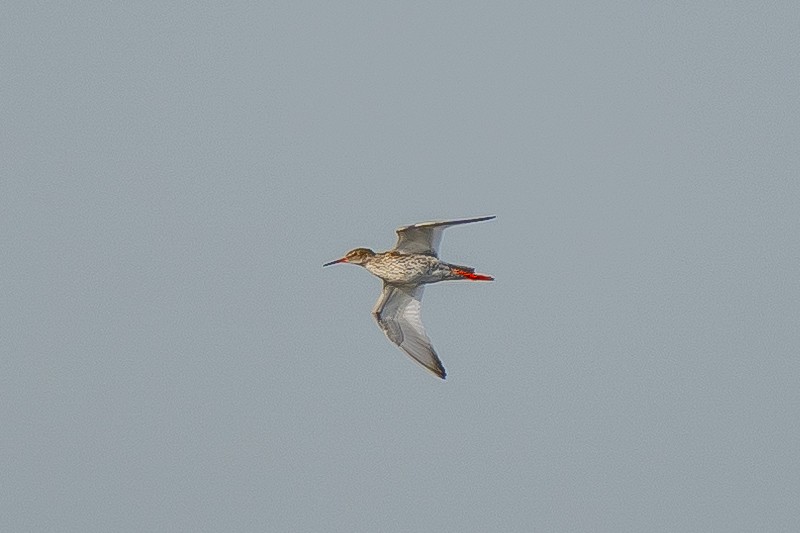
pixel 405 270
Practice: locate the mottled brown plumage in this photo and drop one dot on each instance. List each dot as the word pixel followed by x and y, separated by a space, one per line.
pixel 405 270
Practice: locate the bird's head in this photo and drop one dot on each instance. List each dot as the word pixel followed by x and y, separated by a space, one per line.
pixel 359 256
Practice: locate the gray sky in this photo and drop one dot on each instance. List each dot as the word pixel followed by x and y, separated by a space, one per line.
pixel 174 358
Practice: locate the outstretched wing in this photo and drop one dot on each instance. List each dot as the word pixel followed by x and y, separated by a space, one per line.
pixel 424 238
pixel 397 312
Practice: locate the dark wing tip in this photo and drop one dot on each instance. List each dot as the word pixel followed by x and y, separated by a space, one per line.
pixel 466 220
pixel 452 222
pixel 477 219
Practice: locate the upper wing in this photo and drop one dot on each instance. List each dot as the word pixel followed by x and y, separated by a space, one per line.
pixel 397 312
pixel 424 238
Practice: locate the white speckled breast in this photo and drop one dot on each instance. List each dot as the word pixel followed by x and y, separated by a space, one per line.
pixel 405 269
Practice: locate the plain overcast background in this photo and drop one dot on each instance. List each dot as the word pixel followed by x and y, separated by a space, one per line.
pixel 174 358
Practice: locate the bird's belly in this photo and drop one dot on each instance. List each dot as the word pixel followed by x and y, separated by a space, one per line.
pixel 403 278
pixel 406 270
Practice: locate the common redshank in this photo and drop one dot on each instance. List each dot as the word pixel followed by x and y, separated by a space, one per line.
pixel 405 270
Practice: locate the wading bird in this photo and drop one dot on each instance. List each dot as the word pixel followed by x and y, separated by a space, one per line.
pixel 405 270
